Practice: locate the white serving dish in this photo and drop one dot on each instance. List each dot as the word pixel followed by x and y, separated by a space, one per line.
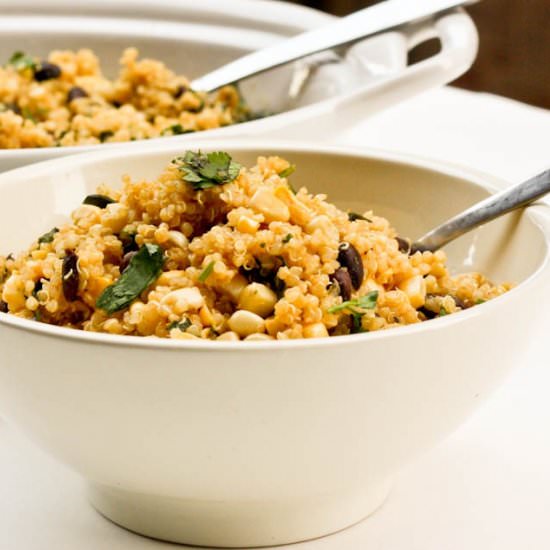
pixel 264 443
pixel 195 37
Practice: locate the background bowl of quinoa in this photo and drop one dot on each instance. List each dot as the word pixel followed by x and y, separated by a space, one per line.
pixel 258 443
pixel 192 38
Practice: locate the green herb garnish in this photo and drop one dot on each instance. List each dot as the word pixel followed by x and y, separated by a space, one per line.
pixel 175 130
pixel 48 237
pixel 480 301
pixel 357 305
pixel 144 268
pixel 105 135
pixel 287 171
pixel 201 104
pixel 207 271
pixel 20 61
pixel 442 312
pixel 206 170
pixel 356 325
pixel 181 325
pixel 101 201
pixel 353 216
pixel 287 238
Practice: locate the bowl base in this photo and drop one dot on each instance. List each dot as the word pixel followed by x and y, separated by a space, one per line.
pixel 235 524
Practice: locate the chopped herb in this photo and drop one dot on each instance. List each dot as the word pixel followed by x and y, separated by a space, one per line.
pixel 201 104
pixel 20 61
pixel 175 130
pixel 357 305
pixel 287 171
pixel 28 114
pixel 480 301
pixel 287 238
pixel 144 268
pixel 181 325
pixel 101 201
pixel 48 237
pixel 443 312
pixel 356 323
pixel 207 271
pixel 354 216
pixel 203 170
pixel 291 187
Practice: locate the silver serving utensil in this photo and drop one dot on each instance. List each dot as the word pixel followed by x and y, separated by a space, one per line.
pixel 358 25
pixel 485 211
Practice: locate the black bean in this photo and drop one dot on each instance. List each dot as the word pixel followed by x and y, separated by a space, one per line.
pixel 3 307
pixel 350 258
pixel 404 245
pixel 126 260
pixel 460 303
pixel 70 277
pixel 428 313
pixel 37 288
pixel 47 71
pixel 76 317
pixel 180 90
pixel 342 277
pixel 128 241
pixel 76 92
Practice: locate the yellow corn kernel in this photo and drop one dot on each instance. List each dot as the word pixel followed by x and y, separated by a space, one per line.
pixel 247 225
pixel 245 323
pixel 229 336
pixel 273 209
pixel 235 287
pixel 315 330
pixel 258 298
pixel 415 289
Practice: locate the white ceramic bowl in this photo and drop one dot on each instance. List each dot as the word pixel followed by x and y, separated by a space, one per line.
pixel 261 443
pixel 195 37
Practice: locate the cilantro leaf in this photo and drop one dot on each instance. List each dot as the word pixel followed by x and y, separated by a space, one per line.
pixel 354 216
pixel 206 272
pixel 175 130
pixel 357 305
pixel 48 237
pixel 287 171
pixel 144 268
pixel 181 325
pixel 20 61
pixel 206 170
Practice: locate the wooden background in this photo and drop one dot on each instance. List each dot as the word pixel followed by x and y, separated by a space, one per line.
pixel 514 54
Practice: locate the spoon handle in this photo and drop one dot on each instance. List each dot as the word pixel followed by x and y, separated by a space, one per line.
pixel 485 211
pixel 363 23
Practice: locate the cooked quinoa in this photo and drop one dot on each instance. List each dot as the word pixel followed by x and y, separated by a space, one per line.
pixel 66 100
pixel 214 250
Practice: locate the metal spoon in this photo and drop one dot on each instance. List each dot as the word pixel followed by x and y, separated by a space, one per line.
pixel 358 25
pixel 485 211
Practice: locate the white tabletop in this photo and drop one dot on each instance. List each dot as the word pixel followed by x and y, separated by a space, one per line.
pixel 486 487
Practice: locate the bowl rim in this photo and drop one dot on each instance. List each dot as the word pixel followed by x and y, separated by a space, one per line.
pixel 484 181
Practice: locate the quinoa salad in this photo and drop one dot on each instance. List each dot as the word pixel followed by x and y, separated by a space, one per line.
pixel 213 250
pixel 66 100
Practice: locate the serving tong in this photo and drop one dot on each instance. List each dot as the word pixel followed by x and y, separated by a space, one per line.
pixel 357 26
